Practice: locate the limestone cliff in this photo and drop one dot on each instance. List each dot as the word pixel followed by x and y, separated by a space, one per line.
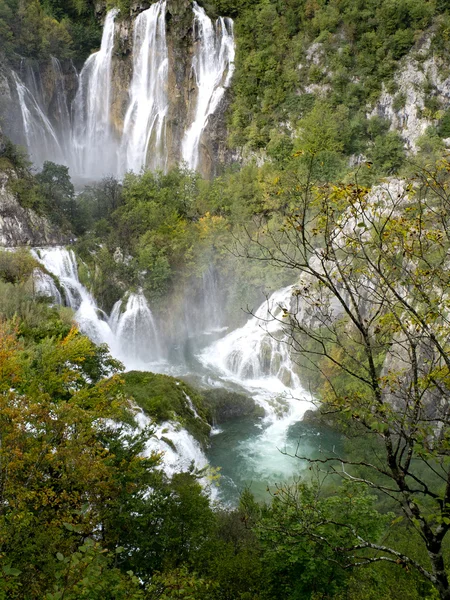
pixel 422 94
pixel 21 226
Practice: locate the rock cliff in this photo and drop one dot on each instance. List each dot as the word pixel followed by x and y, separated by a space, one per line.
pixel 21 226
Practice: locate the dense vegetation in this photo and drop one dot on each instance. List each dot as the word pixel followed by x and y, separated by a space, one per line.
pixel 84 513
pixel 40 29
pixel 291 53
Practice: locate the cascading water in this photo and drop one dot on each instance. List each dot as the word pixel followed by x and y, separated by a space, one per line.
pixel 40 136
pixel 83 136
pixel 253 359
pixel 258 350
pixel 62 264
pixel 130 334
pixel 143 142
pixel 256 357
pixel 94 144
pixel 212 69
pixel 135 331
pixel 132 338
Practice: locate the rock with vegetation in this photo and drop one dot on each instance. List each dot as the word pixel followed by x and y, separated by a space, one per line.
pixel 20 223
pixel 164 398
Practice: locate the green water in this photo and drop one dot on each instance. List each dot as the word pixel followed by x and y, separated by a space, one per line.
pixel 250 456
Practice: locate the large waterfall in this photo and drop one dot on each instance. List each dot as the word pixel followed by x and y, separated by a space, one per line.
pixel 41 139
pixel 95 136
pixel 130 331
pixel 94 151
pixel 212 68
pixel 143 142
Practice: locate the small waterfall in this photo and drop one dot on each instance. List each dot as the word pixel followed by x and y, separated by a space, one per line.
pixel 93 139
pixel 62 263
pixel 131 335
pixel 40 136
pixel 258 350
pixel 144 142
pixel 135 330
pixel 212 69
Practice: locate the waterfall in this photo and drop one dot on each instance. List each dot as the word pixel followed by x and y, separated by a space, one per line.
pixel 131 334
pixel 144 142
pixel 94 144
pixel 212 69
pixel 40 136
pixel 258 350
pixel 83 136
pixel 135 330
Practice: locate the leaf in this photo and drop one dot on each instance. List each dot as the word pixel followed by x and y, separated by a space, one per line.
pixel 59 556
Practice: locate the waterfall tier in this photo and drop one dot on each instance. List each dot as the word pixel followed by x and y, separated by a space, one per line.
pixel 92 131
pixel 143 143
pixel 152 120
pixel 131 333
pixel 259 349
pixel 212 69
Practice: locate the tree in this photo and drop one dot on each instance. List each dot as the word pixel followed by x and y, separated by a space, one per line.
pixel 57 188
pixel 370 312
pixel 56 472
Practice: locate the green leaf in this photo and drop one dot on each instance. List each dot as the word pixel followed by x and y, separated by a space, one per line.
pixel 59 556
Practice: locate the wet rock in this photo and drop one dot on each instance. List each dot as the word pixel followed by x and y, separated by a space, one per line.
pixel 227 406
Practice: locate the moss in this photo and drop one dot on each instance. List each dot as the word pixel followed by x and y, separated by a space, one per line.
pixel 164 398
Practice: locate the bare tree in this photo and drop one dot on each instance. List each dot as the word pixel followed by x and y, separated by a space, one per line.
pixel 371 312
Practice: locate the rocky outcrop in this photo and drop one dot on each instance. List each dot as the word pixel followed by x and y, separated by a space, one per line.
pixel 419 78
pixel 22 226
pixel 227 406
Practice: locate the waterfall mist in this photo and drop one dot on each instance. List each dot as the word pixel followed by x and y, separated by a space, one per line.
pixel 94 153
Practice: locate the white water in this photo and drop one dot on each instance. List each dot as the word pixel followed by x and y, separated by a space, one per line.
pixel 136 334
pixel 94 153
pixel 257 352
pixel 40 136
pixel 255 357
pixel 83 136
pixel 143 143
pixel 212 70
pixel 130 333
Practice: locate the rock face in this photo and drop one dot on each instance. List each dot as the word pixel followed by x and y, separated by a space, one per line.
pixel 22 226
pixel 228 406
pixel 419 78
